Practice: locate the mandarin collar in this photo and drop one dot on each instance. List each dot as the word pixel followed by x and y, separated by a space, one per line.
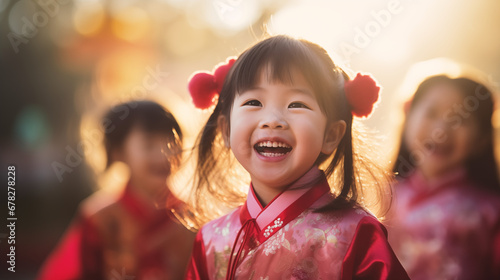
pixel 287 205
pixel 139 208
pixel 451 178
pixel 424 188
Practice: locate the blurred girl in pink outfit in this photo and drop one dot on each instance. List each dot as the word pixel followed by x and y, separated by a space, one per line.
pixel 445 221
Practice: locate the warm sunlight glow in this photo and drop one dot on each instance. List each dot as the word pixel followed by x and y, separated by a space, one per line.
pixel 91 143
pixel 309 20
pixel 88 18
pixel 188 39
pixel 419 71
pixel 229 16
pixel 131 24
pixel 114 179
pixel 128 73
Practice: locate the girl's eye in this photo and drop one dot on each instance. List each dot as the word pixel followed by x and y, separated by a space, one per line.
pixel 253 102
pixel 298 105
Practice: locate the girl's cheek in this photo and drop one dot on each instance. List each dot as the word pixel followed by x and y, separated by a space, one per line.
pixel 471 139
pixel 241 148
pixel 411 130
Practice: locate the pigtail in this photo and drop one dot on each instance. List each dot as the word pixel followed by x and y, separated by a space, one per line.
pixel 342 167
pixel 218 179
pixel 357 180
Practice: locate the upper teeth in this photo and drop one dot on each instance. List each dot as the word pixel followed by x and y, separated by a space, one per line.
pixel 273 144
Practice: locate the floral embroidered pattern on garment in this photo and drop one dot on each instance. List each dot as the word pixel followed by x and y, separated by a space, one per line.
pixel 277 224
pixel 275 243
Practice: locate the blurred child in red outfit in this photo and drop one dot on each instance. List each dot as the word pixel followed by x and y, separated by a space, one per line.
pixel 130 236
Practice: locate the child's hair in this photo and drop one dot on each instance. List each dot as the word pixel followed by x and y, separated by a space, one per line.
pixel 481 168
pixel 148 116
pixel 215 177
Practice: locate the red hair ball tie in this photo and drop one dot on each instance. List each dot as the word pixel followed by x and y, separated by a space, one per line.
pixel 205 87
pixel 362 93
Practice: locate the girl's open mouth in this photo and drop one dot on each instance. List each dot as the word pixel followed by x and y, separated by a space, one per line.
pixel 272 148
pixel 439 150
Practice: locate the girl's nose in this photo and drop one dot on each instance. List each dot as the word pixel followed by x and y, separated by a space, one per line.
pixel 274 120
pixel 443 124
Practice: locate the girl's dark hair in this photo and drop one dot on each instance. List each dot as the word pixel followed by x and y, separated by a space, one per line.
pixel 279 56
pixel 148 116
pixel 481 168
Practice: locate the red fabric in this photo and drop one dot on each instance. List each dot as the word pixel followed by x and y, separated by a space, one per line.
pixel 292 211
pixel 362 93
pixel 343 244
pixel 369 257
pixel 220 73
pixel 197 267
pixel 250 232
pixel 445 228
pixel 204 87
pixel 149 219
pixel 91 256
pixel 81 254
pixel 496 254
pixel 243 241
pixel 63 263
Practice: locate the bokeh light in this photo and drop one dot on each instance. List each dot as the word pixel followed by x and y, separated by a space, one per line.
pixel 131 24
pixel 89 17
pixel 20 18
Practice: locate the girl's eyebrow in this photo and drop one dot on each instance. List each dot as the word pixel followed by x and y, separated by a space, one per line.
pixel 302 90
pixel 291 89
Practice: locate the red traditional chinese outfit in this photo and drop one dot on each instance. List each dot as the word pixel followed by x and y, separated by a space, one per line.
pixel 126 239
pixel 288 240
pixel 446 229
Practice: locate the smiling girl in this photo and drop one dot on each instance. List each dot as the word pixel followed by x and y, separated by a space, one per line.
pixel 283 111
pixel 445 223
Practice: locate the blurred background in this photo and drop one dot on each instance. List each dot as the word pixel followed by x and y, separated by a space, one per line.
pixel 63 62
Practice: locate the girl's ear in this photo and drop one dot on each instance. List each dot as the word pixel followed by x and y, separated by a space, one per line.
pixel 333 134
pixel 223 125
